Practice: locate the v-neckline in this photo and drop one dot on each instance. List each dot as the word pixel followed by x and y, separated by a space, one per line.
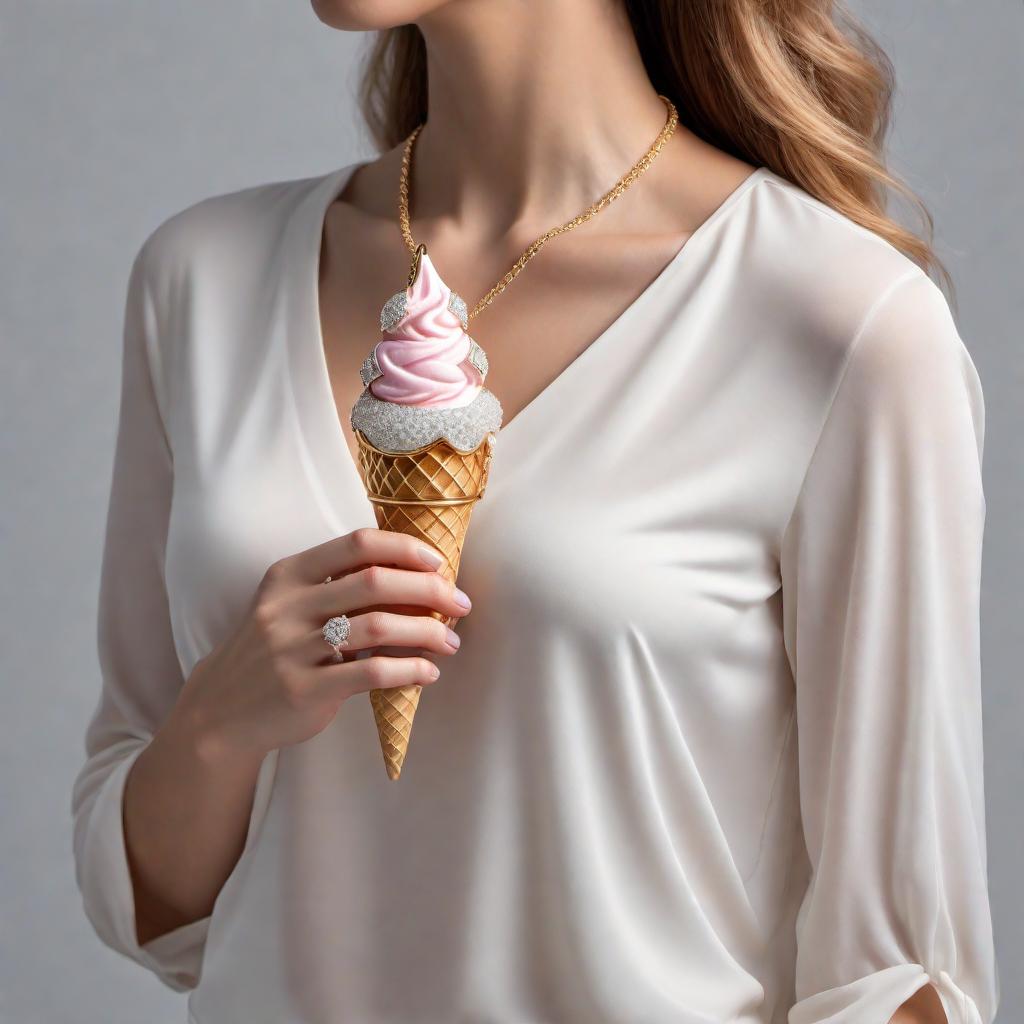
pixel 312 242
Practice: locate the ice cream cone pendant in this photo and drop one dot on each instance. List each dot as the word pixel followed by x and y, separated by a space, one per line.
pixel 425 425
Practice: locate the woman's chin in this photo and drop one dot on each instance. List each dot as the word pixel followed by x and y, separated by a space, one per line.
pixel 367 15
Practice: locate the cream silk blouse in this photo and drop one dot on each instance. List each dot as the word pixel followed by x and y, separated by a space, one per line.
pixel 711 750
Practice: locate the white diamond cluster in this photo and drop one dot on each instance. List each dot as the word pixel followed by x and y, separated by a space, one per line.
pixel 337 630
pixel 478 358
pixel 457 304
pixel 370 371
pixel 392 311
pixel 393 427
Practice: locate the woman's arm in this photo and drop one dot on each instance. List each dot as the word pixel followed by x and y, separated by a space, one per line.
pixel 272 683
pixel 186 813
pixel 881 576
pixel 140 669
pixel 162 802
pixel 923 1007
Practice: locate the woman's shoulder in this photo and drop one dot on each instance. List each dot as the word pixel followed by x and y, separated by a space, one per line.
pixel 844 310
pixel 808 242
pixel 238 228
pixel 825 277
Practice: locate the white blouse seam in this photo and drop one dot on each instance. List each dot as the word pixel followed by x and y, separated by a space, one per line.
pixel 914 272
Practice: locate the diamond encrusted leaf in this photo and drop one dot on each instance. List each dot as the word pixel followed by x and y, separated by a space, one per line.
pixel 393 311
pixel 370 370
pixel 478 358
pixel 457 304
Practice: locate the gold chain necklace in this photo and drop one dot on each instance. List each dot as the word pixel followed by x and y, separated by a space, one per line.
pixel 534 247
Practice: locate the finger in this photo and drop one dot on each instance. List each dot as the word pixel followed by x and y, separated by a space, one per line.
pixel 377 586
pixel 365 546
pixel 376 672
pixel 382 629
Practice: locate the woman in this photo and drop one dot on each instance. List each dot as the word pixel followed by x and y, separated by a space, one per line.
pixel 710 749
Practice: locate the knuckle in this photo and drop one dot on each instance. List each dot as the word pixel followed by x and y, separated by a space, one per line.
pixel 377 625
pixel 276 571
pixel 375 671
pixel 264 615
pixel 373 577
pixel 361 541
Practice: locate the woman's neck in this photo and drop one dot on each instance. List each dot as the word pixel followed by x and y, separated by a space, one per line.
pixel 535 109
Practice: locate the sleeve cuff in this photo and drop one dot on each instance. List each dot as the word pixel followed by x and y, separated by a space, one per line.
pixel 105 881
pixel 876 997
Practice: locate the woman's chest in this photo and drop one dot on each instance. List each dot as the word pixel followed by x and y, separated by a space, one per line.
pixel 599 511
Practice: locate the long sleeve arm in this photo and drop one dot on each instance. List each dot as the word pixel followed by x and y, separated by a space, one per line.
pixel 881 575
pixel 141 675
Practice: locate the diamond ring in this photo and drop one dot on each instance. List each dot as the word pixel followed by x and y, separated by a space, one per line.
pixel 336 632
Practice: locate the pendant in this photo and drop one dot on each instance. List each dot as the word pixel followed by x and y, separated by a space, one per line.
pixel 424 379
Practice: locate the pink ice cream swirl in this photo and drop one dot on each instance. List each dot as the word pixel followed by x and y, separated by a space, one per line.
pixel 424 358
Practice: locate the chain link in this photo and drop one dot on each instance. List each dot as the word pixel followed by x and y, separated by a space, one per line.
pixel 534 247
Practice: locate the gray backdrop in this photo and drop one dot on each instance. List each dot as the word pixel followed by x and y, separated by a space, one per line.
pixel 115 114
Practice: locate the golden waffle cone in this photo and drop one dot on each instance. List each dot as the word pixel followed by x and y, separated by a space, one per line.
pixel 427 493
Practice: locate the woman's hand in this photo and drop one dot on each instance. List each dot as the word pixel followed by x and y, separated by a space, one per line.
pixel 277 681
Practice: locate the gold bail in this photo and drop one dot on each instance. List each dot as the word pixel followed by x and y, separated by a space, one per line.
pixel 421 250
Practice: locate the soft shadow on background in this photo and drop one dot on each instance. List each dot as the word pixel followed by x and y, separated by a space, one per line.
pixel 115 115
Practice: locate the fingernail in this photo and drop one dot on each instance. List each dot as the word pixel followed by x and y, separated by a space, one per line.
pixel 461 599
pixel 433 558
pixel 453 638
pixel 433 671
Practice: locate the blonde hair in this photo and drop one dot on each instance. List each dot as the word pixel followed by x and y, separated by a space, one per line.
pixel 795 85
